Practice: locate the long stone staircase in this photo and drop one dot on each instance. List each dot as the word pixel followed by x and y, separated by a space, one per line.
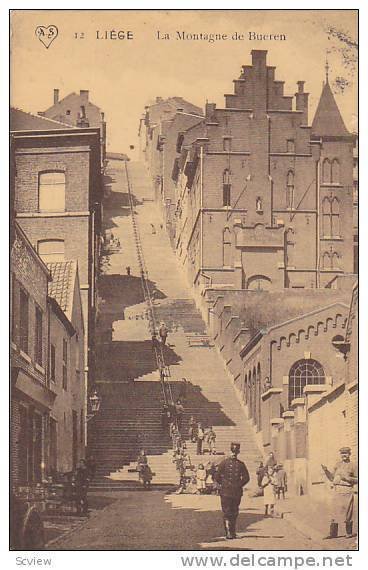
pixel 128 379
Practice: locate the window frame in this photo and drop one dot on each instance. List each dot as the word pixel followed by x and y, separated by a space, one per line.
pixel 40 175
pixel 38 343
pixel 24 322
pixel 65 364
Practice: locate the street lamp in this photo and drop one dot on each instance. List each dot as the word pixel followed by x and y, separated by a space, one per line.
pixel 95 403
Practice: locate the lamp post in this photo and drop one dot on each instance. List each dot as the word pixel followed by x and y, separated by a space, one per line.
pixel 94 404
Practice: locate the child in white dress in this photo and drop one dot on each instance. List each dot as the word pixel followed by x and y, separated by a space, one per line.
pixel 268 484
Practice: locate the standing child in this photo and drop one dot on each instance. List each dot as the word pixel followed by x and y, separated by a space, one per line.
pixel 281 481
pixel 268 485
pixel 201 478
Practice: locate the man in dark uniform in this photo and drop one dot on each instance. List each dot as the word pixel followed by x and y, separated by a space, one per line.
pixel 231 475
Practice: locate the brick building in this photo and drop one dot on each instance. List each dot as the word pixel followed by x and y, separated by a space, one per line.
pixel 68 415
pixel 31 396
pixel 48 394
pixel 163 122
pixel 77 110
pixel 294 365
pixel 57 200
pixel 264 200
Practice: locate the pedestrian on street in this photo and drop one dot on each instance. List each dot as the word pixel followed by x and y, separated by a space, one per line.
pixel 155 343
pixel 179 411
pixel 200 438
pixel 81 482
pixel 281 481
pixel 141 461
pixel 91 466
pixel 192 429
pixel 163 331
pixel 271 460
pixel 232 474
pixel 201 476
pixel 153 229
pixel 344 476
pixel 211 440
pixel 165 417
pixel 182 396
pixel 128 270
pixel 268 485
pixel 146 475
pixel 260 473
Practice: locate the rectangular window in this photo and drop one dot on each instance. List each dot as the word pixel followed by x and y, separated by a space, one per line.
pixel 65 364
pixel 38 336
pixel 226 145
pixel 226 195
pixel 82 427
pixel 51 191
pixel 290 146
pixel 52 362
pixel 23 320
pixel 51 250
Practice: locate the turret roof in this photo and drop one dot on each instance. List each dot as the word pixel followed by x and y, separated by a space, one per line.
pixel 328 120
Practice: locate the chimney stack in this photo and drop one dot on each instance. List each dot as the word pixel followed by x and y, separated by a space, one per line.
pixel 56 96
pixel 84 94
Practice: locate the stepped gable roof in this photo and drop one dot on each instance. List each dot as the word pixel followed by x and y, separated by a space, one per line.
pixel 327 119
pixel 23 121
pixel 61 288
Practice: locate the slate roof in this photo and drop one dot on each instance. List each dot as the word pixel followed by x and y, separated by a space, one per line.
pixel 23 121
pixel 61 287
pixel 327 119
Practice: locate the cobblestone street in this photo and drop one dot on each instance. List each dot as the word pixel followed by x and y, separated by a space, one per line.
pixel 158 521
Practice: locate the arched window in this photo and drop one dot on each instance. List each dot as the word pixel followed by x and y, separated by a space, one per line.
pixel 51 250
pixel 51 191
pixel 290 146
pixel 290 190
pixel 326 171
pixel 335 260
pixel 226 247
pixel 335 218
pixel 304 373
pixel 335 171
pixel 259 283
pixel 326 261
pixel 226 188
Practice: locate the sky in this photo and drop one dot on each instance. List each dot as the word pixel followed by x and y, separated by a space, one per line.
pixel 124 75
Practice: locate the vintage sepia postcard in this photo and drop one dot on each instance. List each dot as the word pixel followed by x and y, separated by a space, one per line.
pixel 184 281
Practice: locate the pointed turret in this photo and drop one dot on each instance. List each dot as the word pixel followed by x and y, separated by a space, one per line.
pixel 328 121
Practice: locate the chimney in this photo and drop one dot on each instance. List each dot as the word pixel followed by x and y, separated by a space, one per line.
pixel 210 110
pixel 84 94
pixel 301 100
pixel 56 96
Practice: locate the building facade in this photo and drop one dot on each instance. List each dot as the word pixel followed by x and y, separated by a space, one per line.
pixel 58 201
pixel 48 393
pixel 264 200
pixel 32 398
pixel 67 427
pixel 163 122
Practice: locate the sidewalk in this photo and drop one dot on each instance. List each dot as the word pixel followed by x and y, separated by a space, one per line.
pixel 312 520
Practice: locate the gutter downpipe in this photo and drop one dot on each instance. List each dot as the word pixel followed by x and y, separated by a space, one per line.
pixel 318 244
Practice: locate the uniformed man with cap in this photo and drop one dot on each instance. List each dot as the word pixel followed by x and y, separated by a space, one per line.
pixel 231 475
pixel 343 478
